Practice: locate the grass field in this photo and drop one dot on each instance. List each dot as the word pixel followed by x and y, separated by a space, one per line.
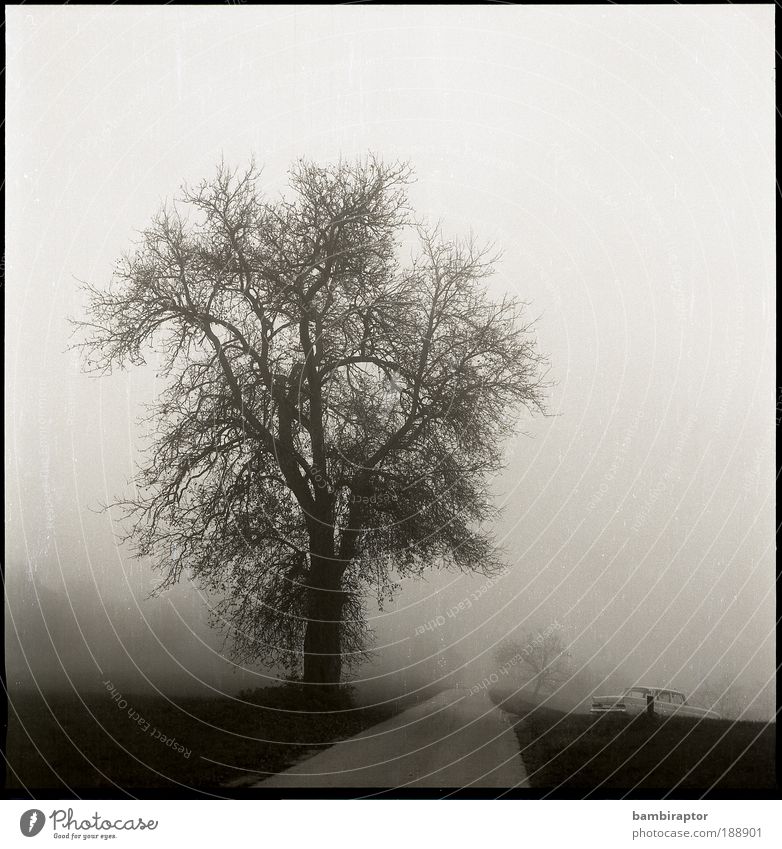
pixel 584 752
pixel 143 742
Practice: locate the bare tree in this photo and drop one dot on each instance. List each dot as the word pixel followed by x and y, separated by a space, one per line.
pixel 329 416
pixel 542 657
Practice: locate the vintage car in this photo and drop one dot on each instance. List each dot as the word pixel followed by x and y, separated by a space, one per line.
pixel 635 700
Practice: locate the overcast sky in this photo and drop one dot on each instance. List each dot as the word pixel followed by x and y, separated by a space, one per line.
pixel 622 158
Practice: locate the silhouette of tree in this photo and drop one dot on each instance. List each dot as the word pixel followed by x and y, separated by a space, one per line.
pixel 543 657
pixel 329 415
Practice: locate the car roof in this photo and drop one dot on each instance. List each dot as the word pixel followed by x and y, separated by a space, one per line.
pixel 655 689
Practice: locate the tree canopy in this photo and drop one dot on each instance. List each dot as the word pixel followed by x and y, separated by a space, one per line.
pixel 330 416
pixel 542 657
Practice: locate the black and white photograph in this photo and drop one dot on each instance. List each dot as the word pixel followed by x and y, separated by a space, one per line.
pixel 390 410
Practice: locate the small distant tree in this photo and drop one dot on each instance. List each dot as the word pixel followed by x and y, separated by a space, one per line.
pixel 329 416
pixel 541 657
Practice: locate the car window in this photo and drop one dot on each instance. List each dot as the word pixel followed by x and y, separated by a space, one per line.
pixel 663 696
pixel 636 694
pixel 677 698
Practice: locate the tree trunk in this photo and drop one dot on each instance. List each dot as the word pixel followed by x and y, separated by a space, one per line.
pixel 322 649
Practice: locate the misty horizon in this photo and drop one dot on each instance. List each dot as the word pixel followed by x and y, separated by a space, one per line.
pixel 635 216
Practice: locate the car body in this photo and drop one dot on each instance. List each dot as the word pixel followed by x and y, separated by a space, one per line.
pixel 634 700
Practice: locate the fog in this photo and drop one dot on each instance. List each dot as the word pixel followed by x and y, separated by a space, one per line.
pixel 621 157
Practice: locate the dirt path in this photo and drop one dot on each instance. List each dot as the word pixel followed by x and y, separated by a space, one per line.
pixel 452 740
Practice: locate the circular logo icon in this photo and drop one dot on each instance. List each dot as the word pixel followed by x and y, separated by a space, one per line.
pixel 31 822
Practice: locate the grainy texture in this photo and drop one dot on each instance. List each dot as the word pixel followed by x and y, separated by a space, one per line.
pixel 67 743
pixel 593 753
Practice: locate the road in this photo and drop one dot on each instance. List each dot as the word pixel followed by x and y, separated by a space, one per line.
pixel 452 740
